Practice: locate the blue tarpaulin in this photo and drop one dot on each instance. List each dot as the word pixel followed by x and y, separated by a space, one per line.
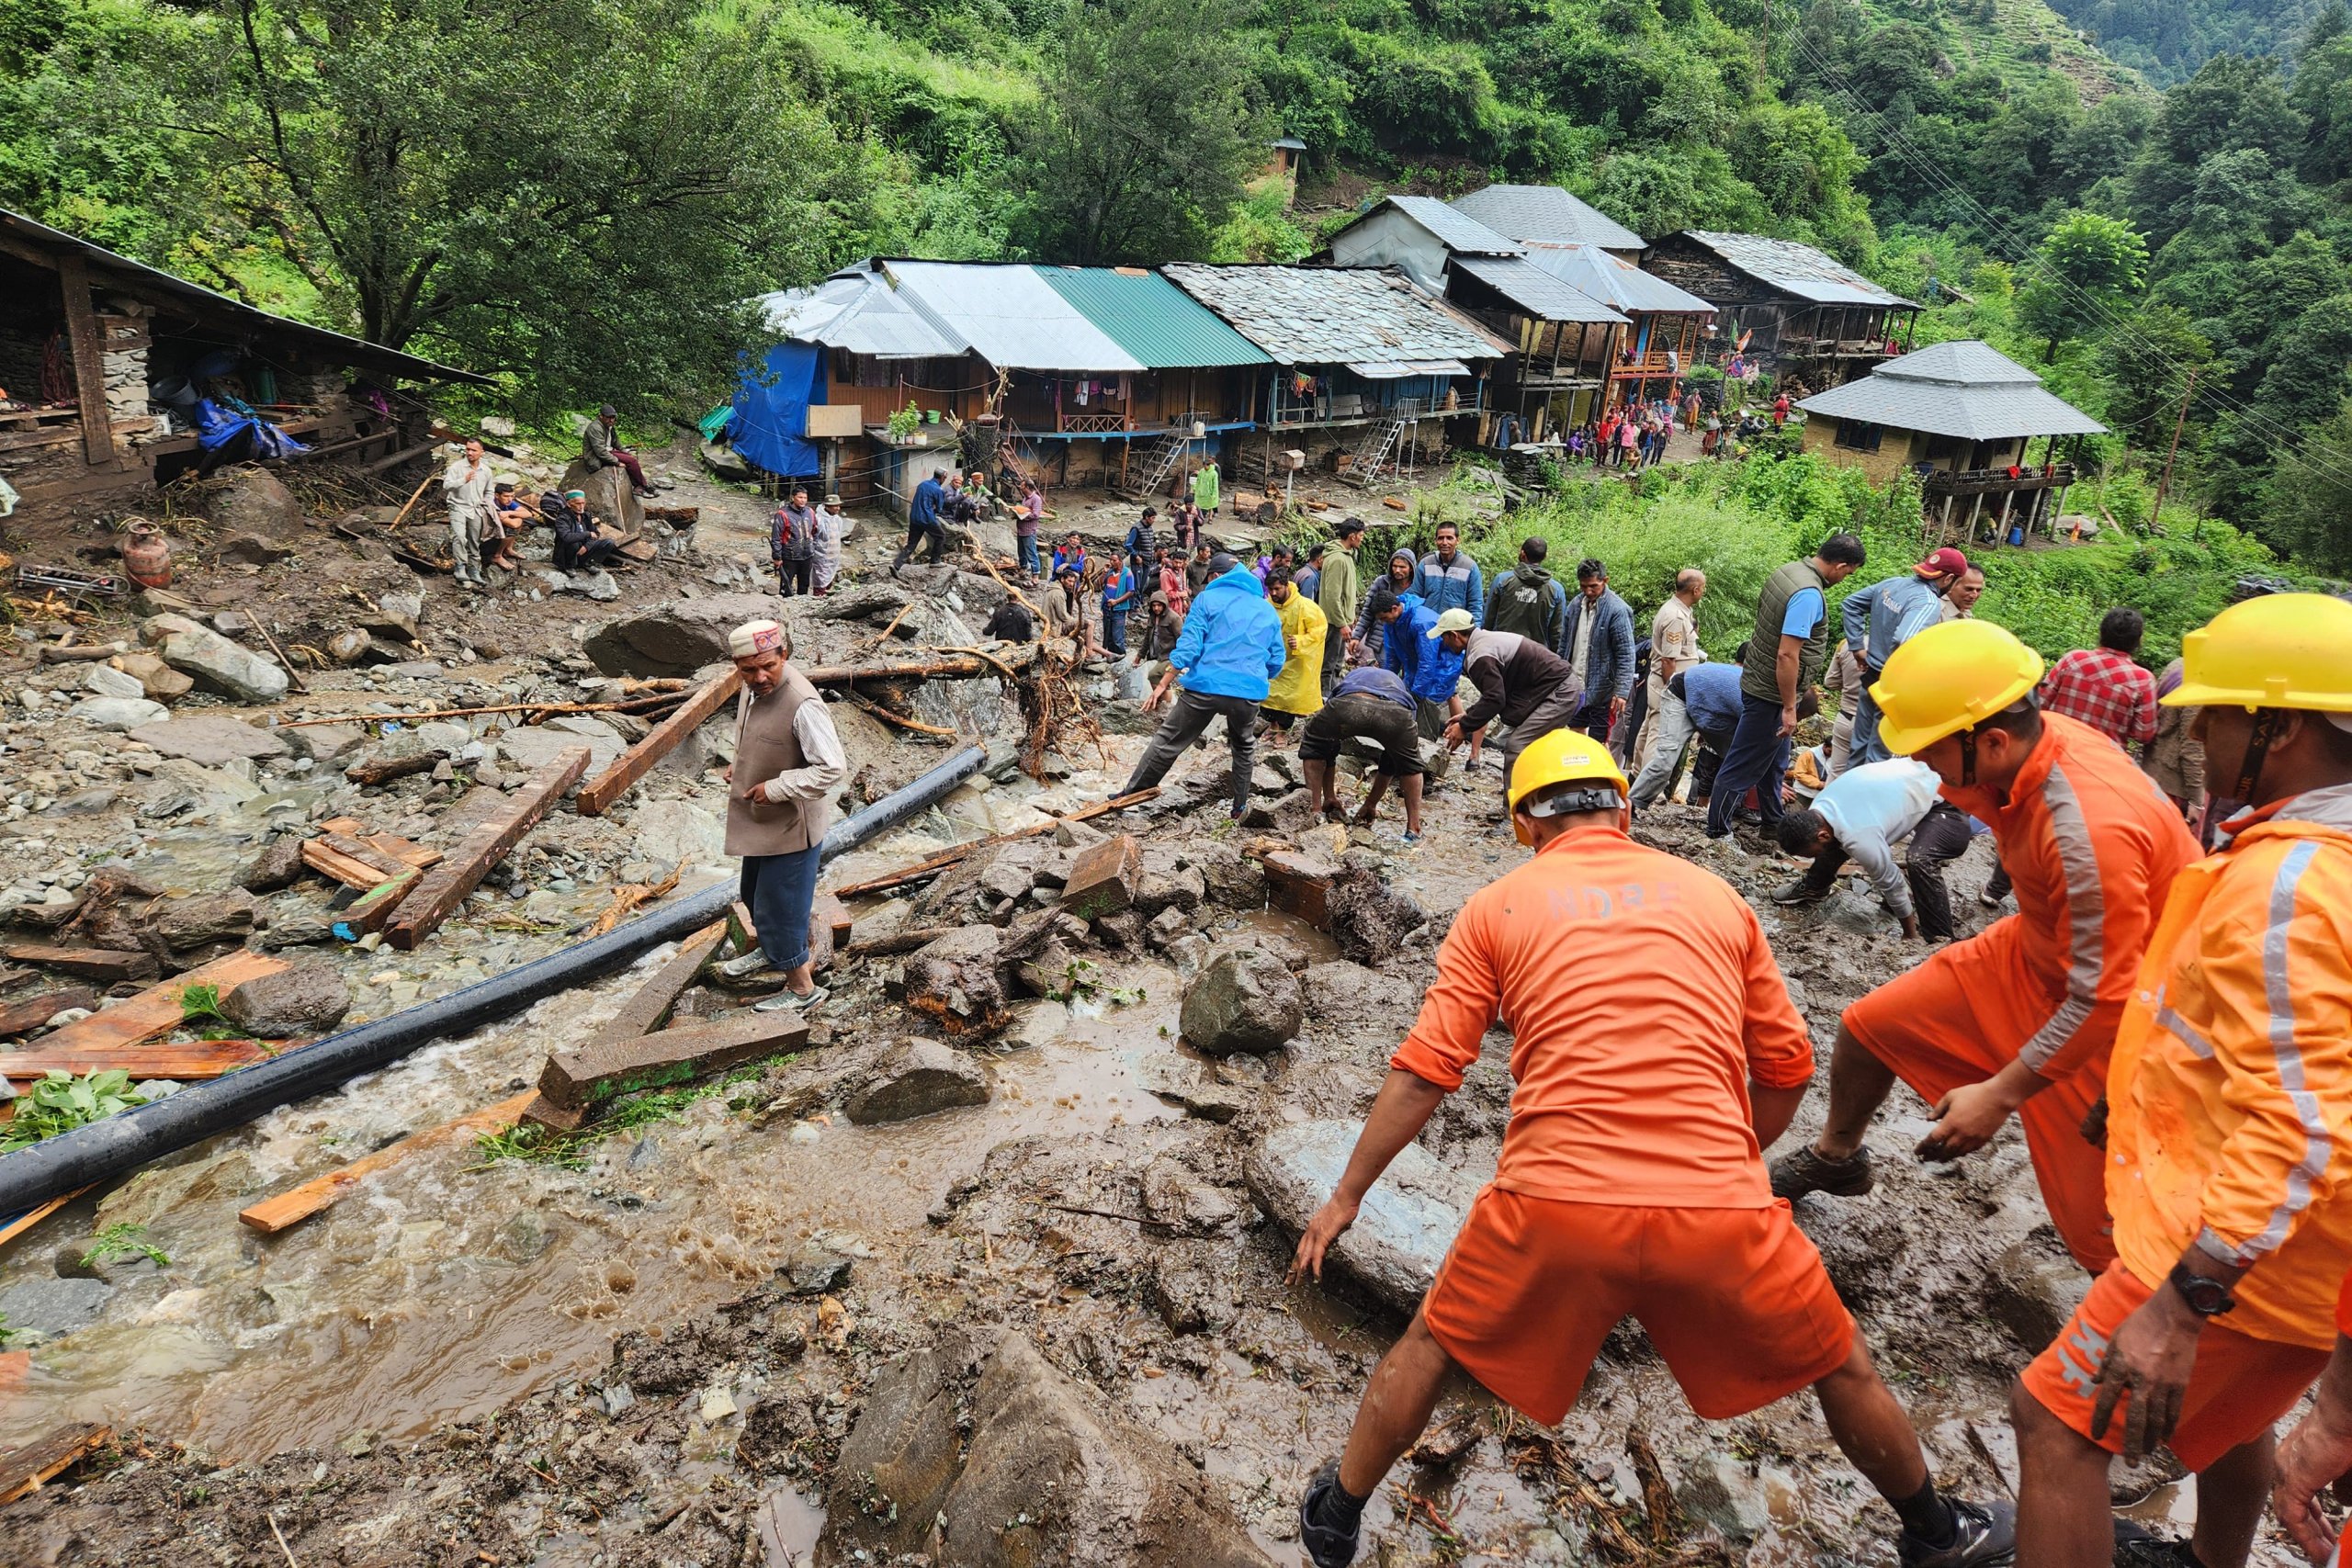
pixel 770 429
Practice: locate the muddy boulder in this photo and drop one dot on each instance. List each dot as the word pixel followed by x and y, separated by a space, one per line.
pixel 212 661
pixel 307 998
pixel 674 638
pixel 915 1078
pixel 1050 1475
pixel 953 984
pixel 256 501
pixel 1367 914
pixel 1246 1000
pixel 1410 1218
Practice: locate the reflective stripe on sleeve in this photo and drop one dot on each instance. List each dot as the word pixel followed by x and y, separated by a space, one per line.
pixel 2086 920
pixel 2279 993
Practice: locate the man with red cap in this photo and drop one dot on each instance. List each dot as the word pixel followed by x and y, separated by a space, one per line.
pixel 1882 618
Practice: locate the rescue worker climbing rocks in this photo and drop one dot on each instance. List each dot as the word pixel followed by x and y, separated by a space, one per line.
pixel 2018 1018
pixel 1656 1052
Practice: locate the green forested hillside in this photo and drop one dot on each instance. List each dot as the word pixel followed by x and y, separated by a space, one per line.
pixel 2168 39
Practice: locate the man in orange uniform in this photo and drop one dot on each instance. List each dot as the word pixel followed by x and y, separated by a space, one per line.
pixel 2020 1017
pixel 2230 1126
pixel 1656 1051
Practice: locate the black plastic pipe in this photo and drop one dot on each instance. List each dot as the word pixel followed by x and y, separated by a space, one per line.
pixel 72 1160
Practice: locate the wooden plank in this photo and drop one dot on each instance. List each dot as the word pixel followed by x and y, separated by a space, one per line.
pixel 364 852
pixel 607 1066
pixel 739 927
pixel 336 866
pixel 16 1367
pixel 599 793
pixel 89 359
pixel 24 1471
pixel 369 913
pixel 652 1004
pixel 298 1203
pixel 33 1011
pixel 405 851
pixel 40 435
pixel 18 1225
pixel 544 1113
pixel 197 1059
pixel 946 858
pixel 446 885
pixel 91 963
pixel 156 1012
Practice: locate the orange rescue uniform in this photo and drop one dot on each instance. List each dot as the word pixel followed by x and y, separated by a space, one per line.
pixel 2230 1124
pixel 2092 847
pixel 1642 1000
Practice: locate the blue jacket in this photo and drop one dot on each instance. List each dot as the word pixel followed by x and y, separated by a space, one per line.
pixel 1232 641
pixel 924 509
pixel 1883 617
pixel 1407 650
pixel 1608 663
pixel 1711 691
pixel 1459 586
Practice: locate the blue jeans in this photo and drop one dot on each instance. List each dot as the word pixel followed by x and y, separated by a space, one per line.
pixel 1757 759
pixel 781 890
pixel 1029 562
pixel 1866 747
pixel 1115 630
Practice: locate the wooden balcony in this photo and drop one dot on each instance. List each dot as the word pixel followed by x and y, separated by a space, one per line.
pixel 1996 482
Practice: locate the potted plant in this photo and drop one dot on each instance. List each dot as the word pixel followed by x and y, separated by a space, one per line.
pixel 904 422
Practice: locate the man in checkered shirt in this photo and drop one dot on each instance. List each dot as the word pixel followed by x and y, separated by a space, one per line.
pixel 2103 687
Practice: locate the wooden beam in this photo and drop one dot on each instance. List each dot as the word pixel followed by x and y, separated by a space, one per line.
pixel 370 912
pixel 20 1224
pixel 23 1471
pixel 33 1011
pixel 646 1009
pixel 946 858
pixel 607 1067
pixel 599 793
pixel 197 1059
pixel 158 1011
pixel 91 963
pixel 89 360
pixel 298 1203
pixel 444 886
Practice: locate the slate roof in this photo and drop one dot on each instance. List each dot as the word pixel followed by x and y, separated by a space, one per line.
pixel 1546 214
pixel 1966 389
pixel 1459 232
pixel 1150 316
pixel 1614 280
pixel 1009 316
pixel 1332 315
pixel 857 310
pixel 1536 290
pixel 1796 269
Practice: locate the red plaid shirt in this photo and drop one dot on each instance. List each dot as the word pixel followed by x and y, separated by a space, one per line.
pixel 2104 690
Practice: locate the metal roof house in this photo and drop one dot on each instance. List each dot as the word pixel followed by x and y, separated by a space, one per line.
pixel 1546 215
pixel 1959 415
pixel 107 356
pixel 1801 313
pixel 1670 327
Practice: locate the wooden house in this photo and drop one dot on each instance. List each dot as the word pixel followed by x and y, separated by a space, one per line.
pixel 1802 316
pixel 1546 215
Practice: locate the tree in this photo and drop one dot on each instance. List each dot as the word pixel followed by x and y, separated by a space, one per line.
pixel 2147 365
pixel 1143 136
pixel 2083 273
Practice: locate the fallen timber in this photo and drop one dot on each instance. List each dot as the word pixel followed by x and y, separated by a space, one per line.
pixel 946 858
pixel 103 1149
pixel 598 794
pixel 444 888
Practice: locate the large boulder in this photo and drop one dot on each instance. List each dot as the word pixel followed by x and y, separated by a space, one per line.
pixel 308 998
pixel 1245 999
pixel 211 740
pixel 1409 1220
pixel 955 984
pixel 915 1078
pixel 117 712
pixel 674 638
pixel 256 501
pixel 212 661
pixel 1051 1475
pixel 609 495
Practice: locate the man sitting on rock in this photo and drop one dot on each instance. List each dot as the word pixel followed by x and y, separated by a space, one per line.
pixel 1654 1053
pixel 788 760
pixel 579 544
pixel 599 449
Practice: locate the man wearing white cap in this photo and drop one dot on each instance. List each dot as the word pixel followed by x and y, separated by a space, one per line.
pixel 1520 683
pixel 788 760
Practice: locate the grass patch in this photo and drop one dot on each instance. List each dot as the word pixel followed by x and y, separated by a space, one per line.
pixel 118 1242
pixel 641 1106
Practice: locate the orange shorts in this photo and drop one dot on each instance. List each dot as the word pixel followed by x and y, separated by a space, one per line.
pixel 2238 1389
pixel 1962 1017
pixel 1735 1301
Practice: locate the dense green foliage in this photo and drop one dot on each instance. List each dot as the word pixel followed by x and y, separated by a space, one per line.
pixel 59 1102
pixel 2168 39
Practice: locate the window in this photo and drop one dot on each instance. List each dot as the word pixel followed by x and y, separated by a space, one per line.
pixel 1859 435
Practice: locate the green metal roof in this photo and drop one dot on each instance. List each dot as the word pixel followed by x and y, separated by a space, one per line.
pixel 1152 318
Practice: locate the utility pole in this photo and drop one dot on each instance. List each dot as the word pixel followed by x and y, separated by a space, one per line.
pixel 2164 483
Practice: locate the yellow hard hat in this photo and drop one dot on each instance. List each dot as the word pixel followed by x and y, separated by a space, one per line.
pixel 1949 678
pixel 1563 756
pixel 2283 650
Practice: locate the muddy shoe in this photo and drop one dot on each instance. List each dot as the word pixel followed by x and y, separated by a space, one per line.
pixel 790 1000
pixel 1799 892
pixel 1794 1175
pixel 2136 1547
pixel 741 968
pixel 1986 1536
pixel 1327 1546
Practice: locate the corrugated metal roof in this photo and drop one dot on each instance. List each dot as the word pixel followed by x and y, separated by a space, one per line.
pixel 1009 316
pixel 1536 291
pixel 1614 280
pixel 857 310
pixel 1546 214
pixel 1966 389
pixel 1151 317
pixel 1330 315
pixel 1458 232
pixel 1799 270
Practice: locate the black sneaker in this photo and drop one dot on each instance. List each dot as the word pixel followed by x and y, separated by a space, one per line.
pixel 1328 1548
pixel 1794 1175
pixel 2136 1547
pixel 1987 1536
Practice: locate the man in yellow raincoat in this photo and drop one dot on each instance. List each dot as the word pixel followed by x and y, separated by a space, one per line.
pixel 1297 692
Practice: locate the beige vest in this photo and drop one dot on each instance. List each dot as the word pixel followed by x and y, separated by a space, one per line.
pixel 764 747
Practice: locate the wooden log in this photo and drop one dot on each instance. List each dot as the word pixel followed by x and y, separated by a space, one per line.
pixel 296 1205
pixel 91 963
pixel 598 794
pixel 896 942
pixel 371 771
pixel 962 668
pixel 24 1471
pixel 739 927
pixel 158 1011
pixel 544 1112
pixel 197 1059
pixel 946 858
pixel 33 1011
pixel 372 909
pixel 607 1066
pixel 444 886
pixel 652 703
pixel 645 1010
pixel 88 344
pixel 52 653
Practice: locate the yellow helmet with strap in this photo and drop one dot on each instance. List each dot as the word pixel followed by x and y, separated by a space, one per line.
pixel 1565 757
pixel 1949 678
pixel 2282 650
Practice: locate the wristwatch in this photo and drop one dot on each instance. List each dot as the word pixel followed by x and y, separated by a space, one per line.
pixel 2206 1298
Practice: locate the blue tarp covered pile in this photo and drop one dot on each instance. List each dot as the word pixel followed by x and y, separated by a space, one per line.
pixel 771 422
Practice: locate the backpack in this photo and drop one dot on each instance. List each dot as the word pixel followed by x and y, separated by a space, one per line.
pixel 1523 605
